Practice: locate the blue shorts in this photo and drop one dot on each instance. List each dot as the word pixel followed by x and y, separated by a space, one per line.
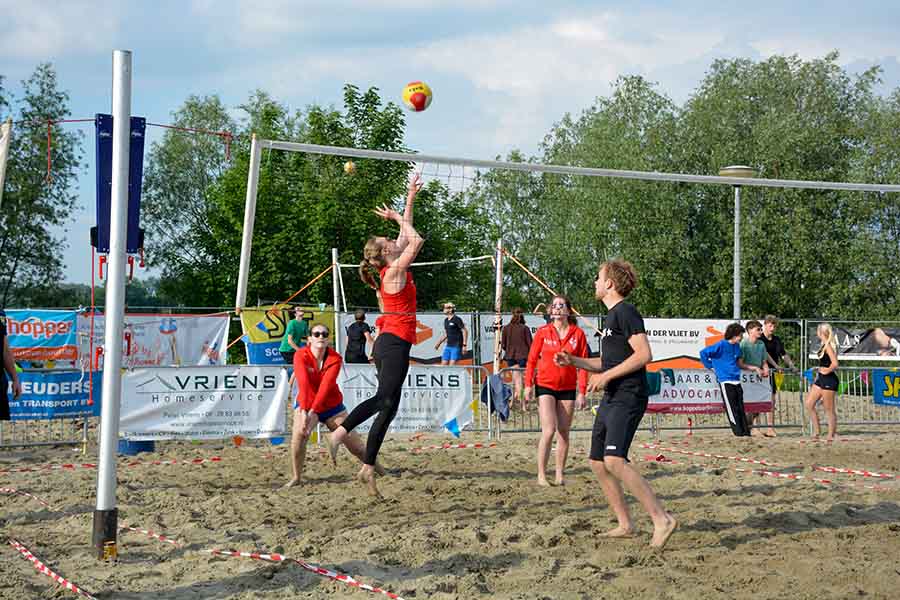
pixel 325 415
pixel 451 353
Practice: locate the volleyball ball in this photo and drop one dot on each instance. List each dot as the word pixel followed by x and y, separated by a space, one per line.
pixel 417 96
pixel 349 167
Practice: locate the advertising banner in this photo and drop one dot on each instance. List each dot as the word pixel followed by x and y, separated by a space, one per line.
pixel 434 398
pixel 860 342
pixel 265 326
pixel 429 329
pixel 696 391
pixel 163 340
pixel 55 395
pixel 42 334
pixel 198 403
pixel 676 343
pixel 886 387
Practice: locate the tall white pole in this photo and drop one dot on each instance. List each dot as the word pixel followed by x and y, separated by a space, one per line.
pixel 737 254
pixel 335 275
pixel 249 218
pixel 498 304
pixel 5 135
pixel 106 514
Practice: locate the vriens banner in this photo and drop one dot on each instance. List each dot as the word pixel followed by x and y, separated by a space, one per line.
pixel 204 402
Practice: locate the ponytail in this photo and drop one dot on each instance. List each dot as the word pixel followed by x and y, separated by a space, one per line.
pixel 371 263
pixel 367 274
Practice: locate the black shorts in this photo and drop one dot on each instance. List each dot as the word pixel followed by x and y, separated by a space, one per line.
pixel 772 382
pixel 557 394
pixel 4 405
pixel 827 382
pixel 355 358
pixel 288 357
pixel 512 363
pixel 617 420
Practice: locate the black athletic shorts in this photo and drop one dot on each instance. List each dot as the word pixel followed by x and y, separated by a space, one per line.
pixel 618 418
pixel 557 394
pixel 827 382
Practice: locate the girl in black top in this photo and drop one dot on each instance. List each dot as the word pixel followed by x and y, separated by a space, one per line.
pixel 826 384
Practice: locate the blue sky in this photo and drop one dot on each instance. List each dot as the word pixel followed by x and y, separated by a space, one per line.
pixel 502 71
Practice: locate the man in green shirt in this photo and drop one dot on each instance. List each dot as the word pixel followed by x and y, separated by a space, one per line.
pixel 753 358
pixel 295 336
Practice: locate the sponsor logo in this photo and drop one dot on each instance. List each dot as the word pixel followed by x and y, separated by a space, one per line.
pixel 37 329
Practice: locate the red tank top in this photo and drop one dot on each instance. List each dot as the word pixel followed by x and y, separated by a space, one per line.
pixel 400 310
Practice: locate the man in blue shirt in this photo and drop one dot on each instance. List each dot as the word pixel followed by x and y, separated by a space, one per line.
pixel 724 358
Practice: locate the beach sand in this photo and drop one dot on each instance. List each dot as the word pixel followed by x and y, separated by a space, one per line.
pixel 466 523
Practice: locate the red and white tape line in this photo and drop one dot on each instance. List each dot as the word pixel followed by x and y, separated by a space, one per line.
pixel 346 579
pixel 21 493
pixel 41 567
pixel 135 463
pixel 708 455
pixel 861 472
pixel 154 535
pixel 765 473
pixel 453 447
pixel 840 439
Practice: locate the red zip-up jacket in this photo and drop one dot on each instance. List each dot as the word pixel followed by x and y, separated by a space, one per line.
pixel 319 390
pixel 544 347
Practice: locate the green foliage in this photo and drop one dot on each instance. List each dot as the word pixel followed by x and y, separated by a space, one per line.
pixel 30 255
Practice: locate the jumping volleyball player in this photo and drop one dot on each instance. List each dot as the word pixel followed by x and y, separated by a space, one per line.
pixel 622 374
pixel 396 335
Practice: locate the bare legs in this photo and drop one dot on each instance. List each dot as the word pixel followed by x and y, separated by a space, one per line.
pixel 556 418
pixel 826 397
pixel 299 440
pixel 518 388
pixel 614 472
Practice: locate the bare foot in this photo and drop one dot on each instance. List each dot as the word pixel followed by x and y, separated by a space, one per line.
pixel 560 481
pixel 542 481
pixel 291 483
pixel 829 439
pixel 755 433
pixel 369 480
pixel 619 532
pixel 662 534
pixel 379 470
pixel 771 433
pixel 333 447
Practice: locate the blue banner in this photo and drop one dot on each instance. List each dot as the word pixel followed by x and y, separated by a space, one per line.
pixel 886 386
pixel 104 131
pixel 42 334
pixel 264 353
pixel 55 395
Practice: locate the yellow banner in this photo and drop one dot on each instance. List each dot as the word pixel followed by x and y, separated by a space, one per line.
pixel 269 323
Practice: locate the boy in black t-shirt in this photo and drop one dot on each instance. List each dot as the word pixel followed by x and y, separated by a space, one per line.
pixel 455 334
pixel 358 334
pixel 621 372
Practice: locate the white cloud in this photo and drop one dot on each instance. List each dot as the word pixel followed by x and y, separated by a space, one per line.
pixel 44 31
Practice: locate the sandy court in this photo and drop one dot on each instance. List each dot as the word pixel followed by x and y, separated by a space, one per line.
pixel 466 523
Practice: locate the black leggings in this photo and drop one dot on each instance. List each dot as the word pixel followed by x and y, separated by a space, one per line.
pixel 392 365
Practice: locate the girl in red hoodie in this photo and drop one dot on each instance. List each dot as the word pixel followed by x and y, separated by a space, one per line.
pixel 556 386
pixel 319 400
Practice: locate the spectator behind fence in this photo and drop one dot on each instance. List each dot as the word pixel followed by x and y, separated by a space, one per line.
pixel 826 384
pixel 295 335
pixel 9 368
pixel 724 357
pixel 515 342
pixel 358 334
pixel 455 334
pixel 775 352
pixel 753 356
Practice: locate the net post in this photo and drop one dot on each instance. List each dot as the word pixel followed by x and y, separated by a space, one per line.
pixel 249 219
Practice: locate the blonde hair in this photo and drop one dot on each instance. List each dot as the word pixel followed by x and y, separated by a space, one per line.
pixel 372 263
pixel 831 339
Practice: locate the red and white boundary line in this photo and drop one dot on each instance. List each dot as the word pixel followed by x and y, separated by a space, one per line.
pixel 777 474
pixel 135 463
pixel 154 535
pixel 861 472
pixel 346 579
pixel 21 493
pixel 41 567
pixel 453 447
pixel 743 459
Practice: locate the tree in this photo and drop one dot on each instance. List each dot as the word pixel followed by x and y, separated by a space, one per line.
pixel 30 256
